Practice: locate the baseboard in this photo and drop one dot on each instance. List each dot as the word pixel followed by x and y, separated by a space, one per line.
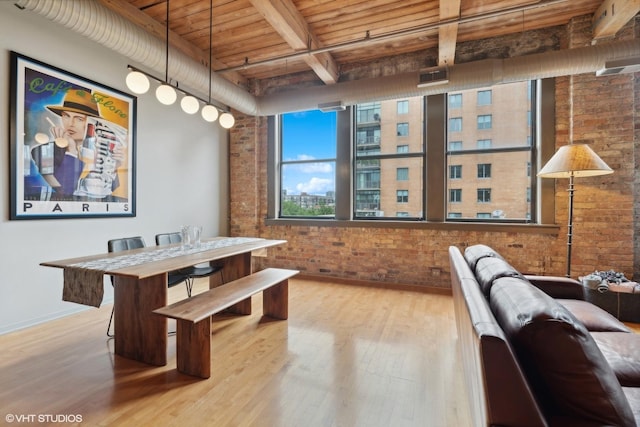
pixel 372 284
pixel 14 327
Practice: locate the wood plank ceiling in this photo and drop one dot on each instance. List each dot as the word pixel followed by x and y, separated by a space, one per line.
pixel 261 39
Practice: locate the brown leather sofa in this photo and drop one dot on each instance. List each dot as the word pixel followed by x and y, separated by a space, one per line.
pixel 535 353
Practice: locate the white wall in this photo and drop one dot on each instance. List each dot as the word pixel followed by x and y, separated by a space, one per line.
pixel 182 174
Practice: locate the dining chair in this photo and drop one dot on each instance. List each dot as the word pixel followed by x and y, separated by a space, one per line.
pixel 125 243
pixel 195 271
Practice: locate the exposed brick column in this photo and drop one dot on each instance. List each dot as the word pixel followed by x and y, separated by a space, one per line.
pixel 598 111
pixel 244 176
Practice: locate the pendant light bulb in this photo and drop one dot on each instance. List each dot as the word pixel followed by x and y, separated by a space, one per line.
pixel 166 94
pixel 189 104
pixel 227 121
pixel 137 82
pixel 209 113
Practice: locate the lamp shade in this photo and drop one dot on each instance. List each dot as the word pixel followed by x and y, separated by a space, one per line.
pixel 190 104
pixel 209 113
pixel 137 82
pixel 166 94
pixel 227 120
pixel 576 160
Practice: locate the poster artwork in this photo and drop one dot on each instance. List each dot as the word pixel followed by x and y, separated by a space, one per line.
pixel 72 145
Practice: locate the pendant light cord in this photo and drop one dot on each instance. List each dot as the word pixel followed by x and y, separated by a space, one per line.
pixel 210 42
pixel 166 69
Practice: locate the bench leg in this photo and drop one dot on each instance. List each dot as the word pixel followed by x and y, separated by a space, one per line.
pixel 275 301
pixel 193 347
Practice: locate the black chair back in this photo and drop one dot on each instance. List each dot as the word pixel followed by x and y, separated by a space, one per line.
pixel 168 238
pixel 125 243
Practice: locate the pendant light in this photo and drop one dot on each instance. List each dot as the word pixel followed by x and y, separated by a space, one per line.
pixel 165 93
pixel 227 120
pixel 190 104
pixel 209 112
pixel 137 82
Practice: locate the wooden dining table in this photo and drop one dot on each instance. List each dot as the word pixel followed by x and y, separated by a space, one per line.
pixel 140 286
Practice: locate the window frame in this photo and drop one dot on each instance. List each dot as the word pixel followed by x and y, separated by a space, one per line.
pixel 482 92
pixel 542 191
pixel 482 169
pixel 405 127
pixel 482 125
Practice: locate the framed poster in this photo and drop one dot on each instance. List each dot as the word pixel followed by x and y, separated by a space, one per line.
pixel 72 145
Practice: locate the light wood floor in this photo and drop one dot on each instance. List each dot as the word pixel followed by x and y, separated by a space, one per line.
pixel 348 356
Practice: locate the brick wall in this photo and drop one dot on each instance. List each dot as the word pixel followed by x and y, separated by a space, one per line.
pixel 604 114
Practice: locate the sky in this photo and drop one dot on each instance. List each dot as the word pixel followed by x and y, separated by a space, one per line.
pixel 309 135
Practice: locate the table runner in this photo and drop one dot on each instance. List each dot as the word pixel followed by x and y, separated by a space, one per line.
pixel 84 281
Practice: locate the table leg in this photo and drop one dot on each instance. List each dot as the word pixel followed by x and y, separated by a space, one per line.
pixel 140 334
pixel 235 267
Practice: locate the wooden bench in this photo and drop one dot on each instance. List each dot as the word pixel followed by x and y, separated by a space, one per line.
pixel 193 333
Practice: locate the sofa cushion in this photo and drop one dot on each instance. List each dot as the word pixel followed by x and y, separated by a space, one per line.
pixel 560 358
pixel 633 396
pixel 489 269
pixel 622 351
pixel 593 317
pixel 475 252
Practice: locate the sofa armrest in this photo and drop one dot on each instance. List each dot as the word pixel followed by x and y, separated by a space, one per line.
pixel 558 287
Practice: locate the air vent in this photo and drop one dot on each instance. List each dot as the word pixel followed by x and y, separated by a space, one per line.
pixel 620 66
pixel 328 107
pixel 434 76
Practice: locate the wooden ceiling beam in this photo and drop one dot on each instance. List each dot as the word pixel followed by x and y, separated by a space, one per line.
pixel 612 15
pixel 448 33
pixel 283 16
pixel 153 27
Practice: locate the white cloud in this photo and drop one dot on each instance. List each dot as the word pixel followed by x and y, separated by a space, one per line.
pixel 315 186
pixel 315 168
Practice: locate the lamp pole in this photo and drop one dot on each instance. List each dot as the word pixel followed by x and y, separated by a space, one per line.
pixel 570 225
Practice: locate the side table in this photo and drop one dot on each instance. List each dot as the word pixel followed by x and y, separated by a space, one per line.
pixel 622 301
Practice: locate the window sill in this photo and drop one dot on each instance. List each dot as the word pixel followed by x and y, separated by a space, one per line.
pixel 420 225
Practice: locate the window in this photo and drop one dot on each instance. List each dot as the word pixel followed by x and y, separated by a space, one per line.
pixel 484 195
pixel 403 107
pixel 484 170
pixel 455 100
pixel 368 202
pixel 308 164
pixel 402 174
pixel 455 171
pixel 370 137
pixel 368 179
pixel 484 144
pixel 484 97
pixel 455 146
pixel 455 124
pixel 382 159
pixel 483 215
pixel 360 147
pixel 499 142
pixel 484 121
pixel 369 112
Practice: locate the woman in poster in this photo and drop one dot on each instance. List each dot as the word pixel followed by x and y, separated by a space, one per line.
pixel 84 161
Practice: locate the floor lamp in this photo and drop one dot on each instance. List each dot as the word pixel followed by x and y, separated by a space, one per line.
pixel 570 161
